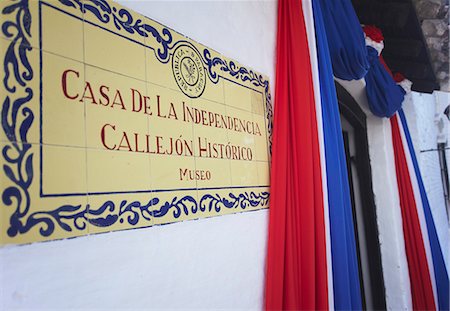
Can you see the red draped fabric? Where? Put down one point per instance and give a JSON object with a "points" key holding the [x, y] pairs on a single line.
{"points": [[419, 274], [296, 275], [386, 66], [421, 287]]}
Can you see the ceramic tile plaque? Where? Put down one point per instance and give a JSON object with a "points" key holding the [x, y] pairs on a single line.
{"points": [[111, 121]]}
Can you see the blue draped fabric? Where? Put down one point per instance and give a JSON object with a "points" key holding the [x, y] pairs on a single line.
{"points": [[347, 295], [345, 38], [440, 270], [384, 95], [340, 38]]}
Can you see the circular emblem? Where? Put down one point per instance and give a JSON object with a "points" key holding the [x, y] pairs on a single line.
{"points": [[188, 71]]}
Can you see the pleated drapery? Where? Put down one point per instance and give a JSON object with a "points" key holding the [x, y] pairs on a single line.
{"points": [[346, 283], [419, 274], [297, 268], [345, 39], [352, 60], [425, 270], [296, 275], [385, 97], [440, 270]]}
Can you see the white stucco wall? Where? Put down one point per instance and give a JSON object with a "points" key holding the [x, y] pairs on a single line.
{"points": [[210, 263], [421, 116]]}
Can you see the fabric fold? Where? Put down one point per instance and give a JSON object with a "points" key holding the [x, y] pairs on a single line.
{"points": [[296, 275], [385, 97], [345, 39], [346, 283]]}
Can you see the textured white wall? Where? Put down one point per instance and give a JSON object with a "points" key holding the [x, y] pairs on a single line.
{"points": [[210, 263], [422, 114]]}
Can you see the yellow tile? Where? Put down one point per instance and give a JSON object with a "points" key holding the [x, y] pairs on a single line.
{"points": [[168, 117], [5, 182], [4, 225], [109, 16], [119, 43], [6, 17], [212, 172], [210, 122], [24, 91], [243, 130], [238, 96], [214, 85], [72, 8], [261, 151], [157, 72], [172, 172], [63, 109], [257, 101], [112, 52], [63, 170], [250, 97], [175, 206], [41, 218], [175, 72], [117, 171], [64, 40], [261, 120], [244, 173], [14, 12], [263, 173], [164, 35], [120, 111], [241, 97], [3, 92], [158, 57], [267, 114], [120, 212]]}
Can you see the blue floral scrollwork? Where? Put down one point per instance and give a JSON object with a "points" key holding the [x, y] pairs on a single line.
{"points": [[243, 74], [16, 116], [123, 20], [69, 217], [211, 203], [17, 119]]}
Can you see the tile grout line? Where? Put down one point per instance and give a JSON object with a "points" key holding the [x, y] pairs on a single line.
{"points": [[195, 163], [227, 131], [253, 119], [85, 65], [146, 79], [123, 151], [146, 68], [88, 200]]}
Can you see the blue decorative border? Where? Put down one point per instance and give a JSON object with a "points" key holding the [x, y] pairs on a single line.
{"points": [[17, 119], [216, 67]]}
